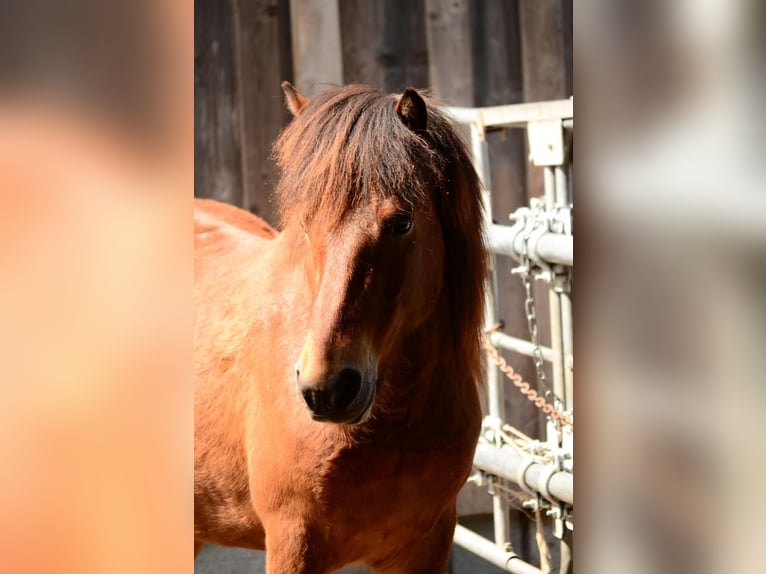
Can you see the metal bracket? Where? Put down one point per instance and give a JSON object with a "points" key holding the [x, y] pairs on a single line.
{"points": [[542, 482], [558, 521], [533, 225], [521, 478], [490, 429], [546, 142]]}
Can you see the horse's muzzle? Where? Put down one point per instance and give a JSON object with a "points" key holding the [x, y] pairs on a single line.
{"points": [[344, 398]]}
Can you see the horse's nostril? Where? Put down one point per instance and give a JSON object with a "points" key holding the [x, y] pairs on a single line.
{"points": [[345, 388], [310, 397], [332, 401]]}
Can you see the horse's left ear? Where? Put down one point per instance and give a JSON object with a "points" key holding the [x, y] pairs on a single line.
{"points": [[412, 110], [295, 101]]}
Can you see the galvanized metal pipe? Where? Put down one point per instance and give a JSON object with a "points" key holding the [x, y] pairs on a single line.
{"points": [[495, 386], [552, 196], [509, 343], [557, 344], [513, 114], [552, 248], [566, 562], [492, 553], [549, 183], [562, 186], [567, 333], [480, 154], [496, 408], [563, 199], [547, 480]]}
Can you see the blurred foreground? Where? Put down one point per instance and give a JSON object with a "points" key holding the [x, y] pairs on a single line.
{"points": [[96, 137], [671, 246], [96, 141]]}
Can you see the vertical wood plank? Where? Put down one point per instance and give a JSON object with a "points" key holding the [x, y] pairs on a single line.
{"points": [[543, 54], [450, 50], [497, 53], [316, 44], [217, 162], [264, 61], [404, 49], [361, 25], [384, 43], [567, 9]]}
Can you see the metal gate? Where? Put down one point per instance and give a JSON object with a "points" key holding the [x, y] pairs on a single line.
{"points": [[541, 241]]}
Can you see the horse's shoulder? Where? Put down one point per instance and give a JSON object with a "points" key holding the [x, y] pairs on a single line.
{"points": [[215, 216]]}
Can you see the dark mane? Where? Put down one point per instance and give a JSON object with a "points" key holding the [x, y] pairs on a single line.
{"points": [[348, 145], [345, 145]]}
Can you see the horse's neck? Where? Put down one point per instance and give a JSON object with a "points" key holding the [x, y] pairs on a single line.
{"points": [[433, 345], [427, 372]]}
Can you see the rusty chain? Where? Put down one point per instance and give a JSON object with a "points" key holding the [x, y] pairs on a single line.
{"points": [[523, 386]]}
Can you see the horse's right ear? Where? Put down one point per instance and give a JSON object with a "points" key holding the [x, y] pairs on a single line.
{"points": [[295, 101]]}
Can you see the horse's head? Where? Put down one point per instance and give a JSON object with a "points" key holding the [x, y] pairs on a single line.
{"points": [[360, 188]]}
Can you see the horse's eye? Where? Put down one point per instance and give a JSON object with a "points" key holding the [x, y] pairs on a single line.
{"points": [[399, 224]]}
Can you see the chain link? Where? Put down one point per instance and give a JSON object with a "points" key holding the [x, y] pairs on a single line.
{"points": [[525, 388], [525, 270], [537, 354], [526, 273]]}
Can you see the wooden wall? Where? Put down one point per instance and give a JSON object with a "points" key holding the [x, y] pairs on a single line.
{"points": [[242, 52], [469, 52]]}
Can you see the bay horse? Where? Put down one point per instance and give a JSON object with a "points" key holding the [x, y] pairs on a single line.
{"points": [[337, 361]]}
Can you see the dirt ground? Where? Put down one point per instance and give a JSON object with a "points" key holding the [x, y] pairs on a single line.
{"points": [[217, 560]]}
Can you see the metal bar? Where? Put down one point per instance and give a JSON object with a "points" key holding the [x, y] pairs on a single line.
{"points": [[495, 385], [479, 150], [563, 199], [566, 564], [557, 344], [548, 480], [562, 189], [518, 114], [567, 335], [549, 183], [513, 114], [553, 248], [554, 306], [509, 343], [461, 115], [496, 399], [492, 553]]}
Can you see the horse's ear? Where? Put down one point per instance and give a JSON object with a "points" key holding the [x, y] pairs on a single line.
{"points": [[412, 110], [295, 101]]}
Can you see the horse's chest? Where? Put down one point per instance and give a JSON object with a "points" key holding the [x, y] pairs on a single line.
{"points": [[384, 493]]}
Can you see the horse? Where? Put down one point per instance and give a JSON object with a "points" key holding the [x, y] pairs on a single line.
{"points": [[337, 361]]}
